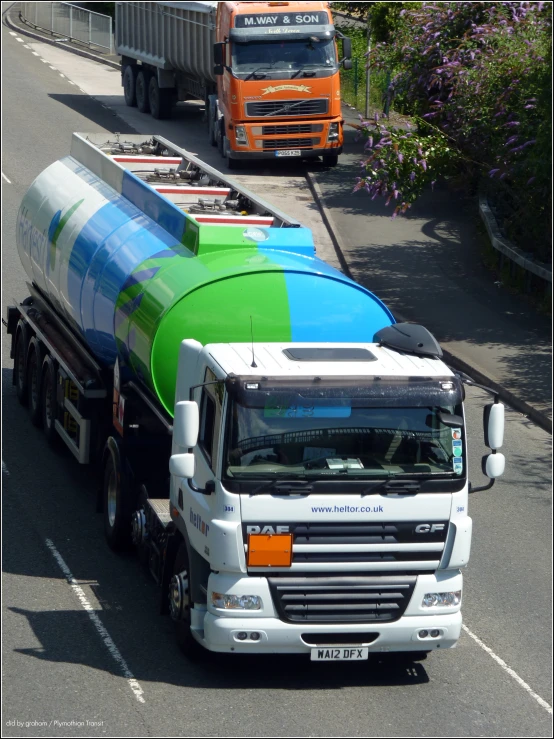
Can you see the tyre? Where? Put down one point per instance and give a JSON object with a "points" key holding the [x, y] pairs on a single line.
{"points": [[19, 367], [220, 135], [231, 163], [49, 401], [330, 160], [34, 369], [141, 88], [116, 505], [129, 85], [212, 128], [159, 100], [180, 605]]}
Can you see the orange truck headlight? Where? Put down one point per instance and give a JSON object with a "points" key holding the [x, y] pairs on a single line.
{"points": [[269, 550]]}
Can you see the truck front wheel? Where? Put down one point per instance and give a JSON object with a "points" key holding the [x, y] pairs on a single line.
{"points": [[129, 85], [142, 92], [180, 604], [330, 160]]}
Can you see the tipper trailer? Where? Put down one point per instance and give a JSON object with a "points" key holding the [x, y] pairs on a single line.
{"points": [[291, 463], [267, 72]]}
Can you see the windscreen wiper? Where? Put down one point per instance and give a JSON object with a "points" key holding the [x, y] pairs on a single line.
{"points": [[393, 486], [306, 74], [256, 72], [283, 488]]}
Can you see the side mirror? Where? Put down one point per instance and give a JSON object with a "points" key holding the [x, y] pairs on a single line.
{"points": [[347, 64], [186, 424], [493, 425], [182, 465], [493, 465], [347, 48]]}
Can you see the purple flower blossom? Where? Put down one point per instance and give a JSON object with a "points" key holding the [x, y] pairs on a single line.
{"points": [[400, 157], [412, 176], [530, 180], [493, 172]]}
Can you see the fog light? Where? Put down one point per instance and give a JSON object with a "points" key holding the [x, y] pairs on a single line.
{"points": [[453, 598], [435, 633], [240, 135], [255, 636], [236, 602], [242, 635], [333, 132], [423, 633]]}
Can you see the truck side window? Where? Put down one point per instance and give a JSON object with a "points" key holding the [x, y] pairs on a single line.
{"points": [[207, 421], [210, 419]]}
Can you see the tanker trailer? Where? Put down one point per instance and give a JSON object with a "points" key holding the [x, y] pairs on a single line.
{"points": [[269, 438], [132, 246]]}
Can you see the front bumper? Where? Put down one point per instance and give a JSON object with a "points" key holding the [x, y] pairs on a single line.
{"points": [[271, 154], [220, 634], [218, 630]]}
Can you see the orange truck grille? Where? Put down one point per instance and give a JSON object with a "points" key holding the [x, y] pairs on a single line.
{"points": [[317, 106]]}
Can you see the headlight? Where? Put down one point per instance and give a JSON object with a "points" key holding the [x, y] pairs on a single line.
{"points": [[430, 600], [333, 132], [240, 602], [240, 135]]}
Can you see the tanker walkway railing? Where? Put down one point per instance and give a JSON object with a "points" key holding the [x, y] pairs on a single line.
{"points": [[70, 22]]}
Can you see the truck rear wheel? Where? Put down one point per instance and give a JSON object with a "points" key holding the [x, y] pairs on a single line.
{"points": [[49, 401], [141, 88], [116, 508], [180, 605], [159, 100], [129, 85], [19, 373], [34, 368]]}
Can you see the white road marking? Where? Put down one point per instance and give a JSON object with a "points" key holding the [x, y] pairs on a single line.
{"points": [[62, 75], [9, 183], [5, 470], [51, 67], [13, 33], [44, 60], [26, 46], [509, 670], [106, 638], [70, 82], [35, 53], [19, 39]]}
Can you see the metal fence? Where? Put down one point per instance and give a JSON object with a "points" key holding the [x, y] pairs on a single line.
{"points": [[70, 22], [353, 87]]}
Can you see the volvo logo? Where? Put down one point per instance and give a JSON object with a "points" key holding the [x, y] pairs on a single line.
{"points": [[429, 528]]}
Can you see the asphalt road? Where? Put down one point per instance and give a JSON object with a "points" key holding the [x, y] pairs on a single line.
{"points": [[69, 671]]}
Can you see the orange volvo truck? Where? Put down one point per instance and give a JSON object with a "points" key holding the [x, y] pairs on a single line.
{"points": [[267, 72]]}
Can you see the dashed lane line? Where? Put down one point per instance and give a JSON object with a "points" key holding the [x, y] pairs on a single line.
{"points": [[509, 670], [99, 626]]}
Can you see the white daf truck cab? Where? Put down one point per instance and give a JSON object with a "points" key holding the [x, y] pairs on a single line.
{"points": [[319, 497]]}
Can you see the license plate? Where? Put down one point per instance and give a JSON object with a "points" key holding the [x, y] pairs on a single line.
{"points": [[339, 653], [289, 153]]}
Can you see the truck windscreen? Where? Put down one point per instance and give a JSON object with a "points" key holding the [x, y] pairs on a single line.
{"points": [[289, 55], [322, 438]]}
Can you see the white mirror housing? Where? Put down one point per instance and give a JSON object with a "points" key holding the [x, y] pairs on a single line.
{"points": [[182, 465], [493, 419], [186, 424], [493, 465]]}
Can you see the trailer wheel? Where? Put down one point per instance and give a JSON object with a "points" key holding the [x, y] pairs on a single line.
{"points": [[141, 88], [19, 373], [220, 134], [116, 509], [129, 85], [49, 401], [180, 605], [330, 160], [34, 365], [159, 99], [212, 127]]}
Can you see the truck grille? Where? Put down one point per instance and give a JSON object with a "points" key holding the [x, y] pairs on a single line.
{"points": [[318, 106], [341, 599], [363, 547], [304, 143], [287, 130]]}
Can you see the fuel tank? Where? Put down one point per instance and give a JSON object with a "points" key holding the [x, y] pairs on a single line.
{"points": [[134, 275]]}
